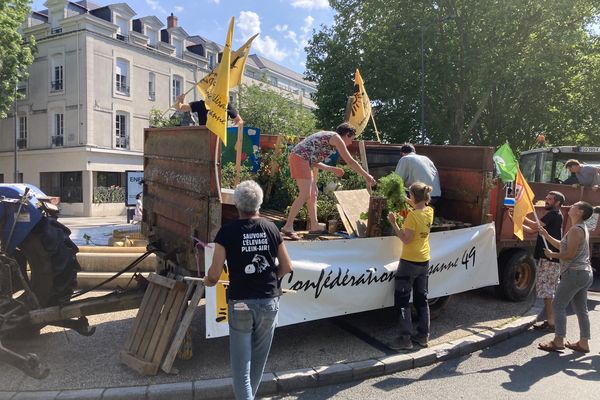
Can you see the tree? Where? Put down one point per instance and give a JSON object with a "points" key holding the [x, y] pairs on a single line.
{"points": [[273, 112], [494, 71], [16, 54]]}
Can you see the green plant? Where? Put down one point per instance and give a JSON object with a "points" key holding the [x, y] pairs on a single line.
{"points": [[158, 119], [112, 194], [228, 175]]}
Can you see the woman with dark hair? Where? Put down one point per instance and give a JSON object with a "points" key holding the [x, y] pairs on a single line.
{"points": [[575, 279], [256, 260], [413, 270], [305, 159]]}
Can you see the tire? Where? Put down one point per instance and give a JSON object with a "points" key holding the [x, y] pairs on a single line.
{"points": [[51, 256], [437, 306], [517, 275]]}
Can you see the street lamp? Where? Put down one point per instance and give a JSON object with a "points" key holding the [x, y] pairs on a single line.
{"points": [[16, 171], [423, 29]]}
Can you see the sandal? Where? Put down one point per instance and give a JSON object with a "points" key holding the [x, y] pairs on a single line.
{"points": [[544, 326], [550, 347], [576, 347], [291, 235]]}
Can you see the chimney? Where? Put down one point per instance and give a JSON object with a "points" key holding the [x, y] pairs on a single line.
{"points": [[171, 21]]}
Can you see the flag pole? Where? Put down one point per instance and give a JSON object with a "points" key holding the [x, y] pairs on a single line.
{"points": [[185, 94], [537, 219], [375, 126]]}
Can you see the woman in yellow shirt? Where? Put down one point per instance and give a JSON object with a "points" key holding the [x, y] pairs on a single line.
{"points": [[413, 270]]}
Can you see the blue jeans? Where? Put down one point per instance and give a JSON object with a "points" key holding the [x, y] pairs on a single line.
{"points": [[572, 289], [251, 326], [414, 278]]}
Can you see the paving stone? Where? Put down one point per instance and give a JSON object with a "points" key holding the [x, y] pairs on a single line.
{"points": [[7, 395], [126, 393], [469, 345], [424, 357], [288, 381], [168, 391], [332, 374], [268, 385], [366, 368], [213, 389], [87, 394], [446, 351], [397, 362], [49, 395]]}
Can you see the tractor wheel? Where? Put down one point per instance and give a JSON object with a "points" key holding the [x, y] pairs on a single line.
{"points": [[517, 275], [53, 265]]}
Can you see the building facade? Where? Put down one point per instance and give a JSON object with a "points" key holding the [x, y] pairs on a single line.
{"points": [[97, 74]]}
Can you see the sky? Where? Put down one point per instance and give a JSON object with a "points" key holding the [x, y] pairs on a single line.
{"points": [[285, 26]]}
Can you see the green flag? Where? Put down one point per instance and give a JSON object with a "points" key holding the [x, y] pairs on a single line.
{"points": [[505, 163]]}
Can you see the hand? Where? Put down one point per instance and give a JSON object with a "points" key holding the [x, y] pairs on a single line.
{"points": [[549, 253], [370, 180], [238, 120], [337, 171], [180, 98], [510, 212], [207, 281], [392, 218], [542, 231]]}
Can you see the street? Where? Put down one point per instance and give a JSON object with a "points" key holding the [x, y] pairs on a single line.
{"points": [[514, 369]]}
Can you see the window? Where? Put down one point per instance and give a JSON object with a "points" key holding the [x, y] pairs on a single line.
{"points": [[59, 130], [22, 89], [211, 60], [121, 75], [57, 79], [66, 185], [108, 179], [123, 29], [177, 86], [121, 137], [151, 86], [178, 48], [22, 138], [152, 37]]}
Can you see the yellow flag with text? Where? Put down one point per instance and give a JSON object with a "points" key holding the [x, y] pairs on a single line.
{"points": [[236, 69], [218, 96], [358, 110], [523, 203]]}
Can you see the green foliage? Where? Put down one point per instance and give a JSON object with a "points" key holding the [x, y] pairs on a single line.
{"points": [[274, 113], [392, 188], [112, 194], [159, 120], [228, 175], [16, 53], [495, 71]]}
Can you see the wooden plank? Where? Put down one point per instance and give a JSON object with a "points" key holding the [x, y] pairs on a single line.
{"points": [[152, 303], [172, 317], [363, 159], [158, 330], [141, 366], [167, 364], [143, 309], [238, 153], [152, 321], [354, 202], [162, 281], [345, 220]]}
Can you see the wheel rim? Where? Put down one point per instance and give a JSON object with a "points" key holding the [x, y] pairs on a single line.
{"points": [[522, 276]]}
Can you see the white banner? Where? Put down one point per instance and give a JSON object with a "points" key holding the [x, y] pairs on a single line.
{"points": [[337, 277]]}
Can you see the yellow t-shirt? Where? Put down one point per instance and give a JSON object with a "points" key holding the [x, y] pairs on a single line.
{"points": [[418, 221]]}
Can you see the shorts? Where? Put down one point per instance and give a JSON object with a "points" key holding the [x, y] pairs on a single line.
{"points": [[299, 167], [547, 278]]}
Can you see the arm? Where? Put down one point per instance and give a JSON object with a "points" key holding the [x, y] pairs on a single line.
{"points": [[351, 162], [406, 235], [552, 241], [216, 267], [336, 170], [529, 226], [576, 236], [285, 263], [180, 105]]}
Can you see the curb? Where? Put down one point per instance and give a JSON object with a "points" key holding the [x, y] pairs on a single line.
{"points": [[274, 383]]}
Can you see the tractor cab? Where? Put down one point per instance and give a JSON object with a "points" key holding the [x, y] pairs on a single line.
{"points": [[547, 164]]}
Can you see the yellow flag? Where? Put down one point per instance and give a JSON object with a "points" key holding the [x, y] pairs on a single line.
{"points": [[236, 69], [358, 110], [523, 203], [218, 96]]}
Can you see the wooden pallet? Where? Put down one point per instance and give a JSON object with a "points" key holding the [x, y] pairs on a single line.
{"points": [[159, 316]]}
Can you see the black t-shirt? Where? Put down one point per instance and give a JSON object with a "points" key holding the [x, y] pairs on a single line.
{"points": [[251, 249], [553, 221], [199, 108]]}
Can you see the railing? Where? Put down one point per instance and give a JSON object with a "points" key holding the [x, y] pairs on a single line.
{"points": [[152, 46], [122, 88], [22, 143], [22, 90], [152, 96], [57, 141], [54, 31], [55, 86], [122, 142], [123, 38]]}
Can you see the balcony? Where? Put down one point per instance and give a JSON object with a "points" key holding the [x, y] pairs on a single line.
{"points": [[152, 96], [22, 143], [56, 86], [57, 141], [122, 142], [22, 90], [122, 88], [123, 38], [55, 31]]}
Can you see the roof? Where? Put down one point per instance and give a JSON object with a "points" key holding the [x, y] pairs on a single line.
{"points": [[197, 39]]}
